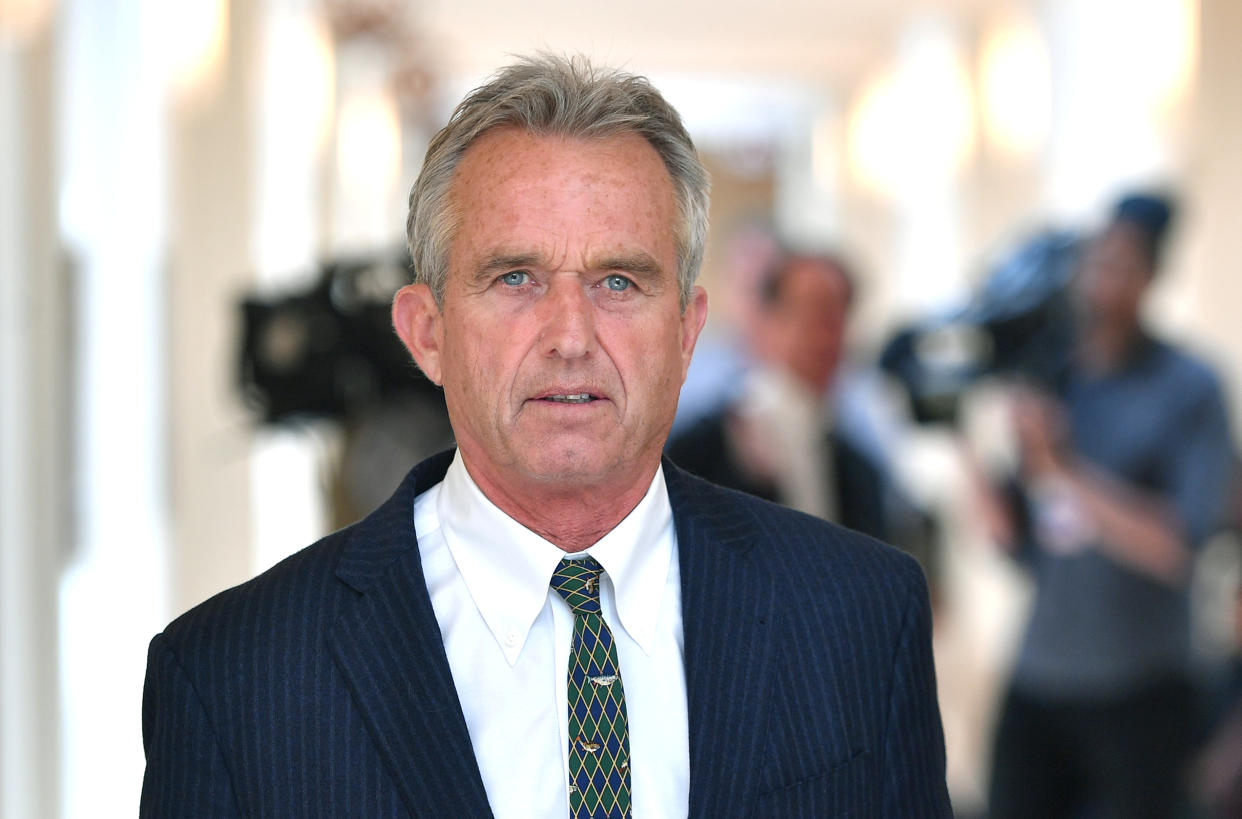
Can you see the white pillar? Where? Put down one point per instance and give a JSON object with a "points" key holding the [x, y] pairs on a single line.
{"points": [[910, 140], [112, 205], [294, 111], [1214, 232], [36, 502], [1119, 71], [211, 264]]}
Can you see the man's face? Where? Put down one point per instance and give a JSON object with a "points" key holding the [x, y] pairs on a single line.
{"points": [[561, 344], [806, 324], [1115, 276]]}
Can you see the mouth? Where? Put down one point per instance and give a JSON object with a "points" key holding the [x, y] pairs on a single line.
{"points": [[576, 398], [573, 396], [570, 398]]}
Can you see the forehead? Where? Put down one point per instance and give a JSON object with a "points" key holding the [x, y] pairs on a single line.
{"points": [[1119, 241], [813, 279], [516, 188], [1116, 258]]}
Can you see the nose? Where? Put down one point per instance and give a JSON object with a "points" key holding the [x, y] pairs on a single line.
{"points": [[568, 319]]}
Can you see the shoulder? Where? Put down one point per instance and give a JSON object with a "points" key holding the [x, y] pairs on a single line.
{"points": [[294, 595], [1185, 373], [801, 551], [271, 633], [297, 600]]}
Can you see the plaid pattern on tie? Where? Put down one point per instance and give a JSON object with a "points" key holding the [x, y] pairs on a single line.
{"points": [[599, 734]]}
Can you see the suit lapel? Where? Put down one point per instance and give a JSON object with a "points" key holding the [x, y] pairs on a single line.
{"points": [[388, 647], [728, 606]]}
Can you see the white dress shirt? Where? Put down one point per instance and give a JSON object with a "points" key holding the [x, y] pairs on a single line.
{"points": [[508, 637], [792, 422]]}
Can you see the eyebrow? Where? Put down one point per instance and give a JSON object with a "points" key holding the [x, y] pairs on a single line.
{"points": [[503, 264], [640, 264]]}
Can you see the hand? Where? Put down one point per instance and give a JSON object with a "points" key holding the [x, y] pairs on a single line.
{"points": [[1040, 426], [753, 446]]}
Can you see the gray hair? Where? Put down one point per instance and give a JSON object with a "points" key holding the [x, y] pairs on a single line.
{"points": [[556, 96]]}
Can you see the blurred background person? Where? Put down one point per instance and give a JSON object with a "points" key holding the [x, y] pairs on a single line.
{"points": [[782, 438], [1124, 469], [724, 352]]}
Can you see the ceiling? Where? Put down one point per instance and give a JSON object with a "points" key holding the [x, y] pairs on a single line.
{"points": [[828, 43]]}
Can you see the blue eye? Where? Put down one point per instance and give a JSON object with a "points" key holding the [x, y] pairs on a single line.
{"points": [[515, 278], [617, 283]]}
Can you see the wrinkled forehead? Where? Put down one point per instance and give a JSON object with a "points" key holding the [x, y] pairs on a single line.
{"points": [[627, 154], [514, 190]]}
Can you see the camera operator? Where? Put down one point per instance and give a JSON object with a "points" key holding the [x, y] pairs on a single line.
{"points": [[1122, 474]]}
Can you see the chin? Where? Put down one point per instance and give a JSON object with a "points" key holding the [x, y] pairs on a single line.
{"points": [[570, 465], [572, 472]]}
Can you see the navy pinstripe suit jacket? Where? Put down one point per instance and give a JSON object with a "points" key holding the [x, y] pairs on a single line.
{"points": [[321, 687]]}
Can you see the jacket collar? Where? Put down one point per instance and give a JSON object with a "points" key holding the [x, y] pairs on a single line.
{"points": [[389, 648]]}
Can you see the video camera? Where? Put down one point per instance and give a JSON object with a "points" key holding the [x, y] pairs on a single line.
{"points": [[1019, 322], [329, 350]]}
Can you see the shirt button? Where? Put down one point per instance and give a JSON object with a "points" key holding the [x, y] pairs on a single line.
{"points": [[511, 639]]}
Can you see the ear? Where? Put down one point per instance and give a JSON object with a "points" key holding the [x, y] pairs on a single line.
{"points": [[417, 319], [692, 320]]}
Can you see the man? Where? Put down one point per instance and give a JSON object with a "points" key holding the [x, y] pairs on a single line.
{"points": [[460, 652], [772, 440], [779, 439], [1123, 474]]}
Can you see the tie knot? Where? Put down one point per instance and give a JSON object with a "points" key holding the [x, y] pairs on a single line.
{"points": [[577, 581]]}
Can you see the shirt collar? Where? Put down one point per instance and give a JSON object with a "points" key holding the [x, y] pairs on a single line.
{"points": [[636, 556], [507, 567]]}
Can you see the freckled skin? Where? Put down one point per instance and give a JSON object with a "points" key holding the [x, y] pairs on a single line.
{"points": [[562, 280]]}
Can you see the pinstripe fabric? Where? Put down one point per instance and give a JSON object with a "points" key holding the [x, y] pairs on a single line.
{"points": [[808, 665], [321, 688]]}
